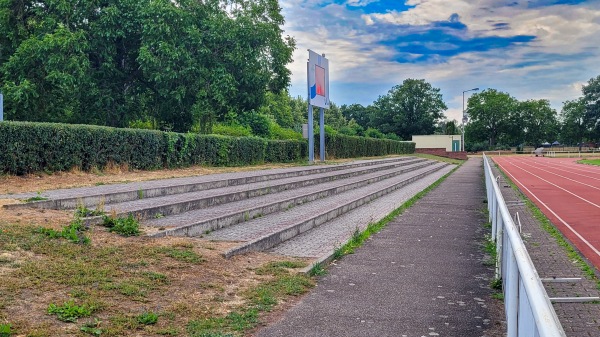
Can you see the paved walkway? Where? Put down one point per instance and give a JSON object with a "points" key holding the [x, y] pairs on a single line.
{"points": [[423, 275]]}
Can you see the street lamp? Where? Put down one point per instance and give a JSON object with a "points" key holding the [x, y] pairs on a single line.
{"points": [[464, 119]]}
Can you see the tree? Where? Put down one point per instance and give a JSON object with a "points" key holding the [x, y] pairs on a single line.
{"points": [[574, 127], [448, 127], [412, 108], [491, 113], [591, 99], [111, 62], [538, 121], [358, 112]]}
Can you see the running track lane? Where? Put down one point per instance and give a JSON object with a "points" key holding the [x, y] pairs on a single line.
{"points": [[566, 192]]}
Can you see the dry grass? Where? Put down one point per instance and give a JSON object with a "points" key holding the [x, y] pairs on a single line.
{"points": [[185, 281]]}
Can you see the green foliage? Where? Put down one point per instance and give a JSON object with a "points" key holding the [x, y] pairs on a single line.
{"points": [[69, 312], [493, 115], [342, 146], [118, 62], [279, 151], [147, 318], [84, 212], [128, 226], [92, 328], [412, 108], [277, 132], [37, 197], [374, 133], [72, 232], [575, 128], [317, 270], [231, 130], [182, 254], [5, 330]]}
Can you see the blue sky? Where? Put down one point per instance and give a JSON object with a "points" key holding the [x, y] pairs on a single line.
{"points": [[537, 49]]}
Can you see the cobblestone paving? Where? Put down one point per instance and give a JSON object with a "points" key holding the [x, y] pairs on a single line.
{"points": [[263, 201], [551, 260], [326, 238], [135, 186]]}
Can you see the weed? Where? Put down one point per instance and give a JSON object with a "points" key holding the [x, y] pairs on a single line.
{"points": [[92, 327], [72, 232], [69, 312], [159, 216], [157, 277], [496, 283], [37, 197], [5, 330], [147, 318], [140, 194], [85, 212], [128, 226], [498, 296], [170, 331], [317, 270]]}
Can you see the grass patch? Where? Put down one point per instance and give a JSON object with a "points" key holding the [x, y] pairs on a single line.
{"points": [[147, 318], [589, 162], [5, 330], [84, 212], [69, 311], [317, 270], [73, 232], [128, 226], [181, 254], [442, 159]]}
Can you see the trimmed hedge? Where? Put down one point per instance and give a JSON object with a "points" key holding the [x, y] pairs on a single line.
{"points": [[343, 146], [27, 147]]}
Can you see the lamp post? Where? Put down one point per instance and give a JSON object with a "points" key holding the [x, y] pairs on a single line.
{"points": [[464, 119]]}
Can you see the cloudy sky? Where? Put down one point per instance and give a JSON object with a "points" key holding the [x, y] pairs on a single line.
{"points": [[539, 49]]}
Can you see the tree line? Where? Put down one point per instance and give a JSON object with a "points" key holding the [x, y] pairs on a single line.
{"points": [[499, 121]]}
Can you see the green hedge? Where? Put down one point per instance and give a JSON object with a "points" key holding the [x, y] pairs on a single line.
{"points": [[33, 147], [343, 146]]}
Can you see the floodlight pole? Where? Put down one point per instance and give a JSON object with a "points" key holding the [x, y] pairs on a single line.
{"points": [[464, 119]]}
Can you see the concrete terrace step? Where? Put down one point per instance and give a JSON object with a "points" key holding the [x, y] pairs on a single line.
{"points": [[181, 203], [274, 230], [253, 213], [321, 242], [117, 193]]}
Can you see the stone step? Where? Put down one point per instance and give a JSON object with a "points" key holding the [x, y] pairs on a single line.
{"points": [[273, 231], [118, 193], [181, 203], [202, 221], [321, 242]]}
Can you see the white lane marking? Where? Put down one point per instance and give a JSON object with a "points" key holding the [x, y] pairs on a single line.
{"points": [[553, 213]]}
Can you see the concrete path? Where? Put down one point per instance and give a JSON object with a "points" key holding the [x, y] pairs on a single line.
{"points": [[423, 275]]}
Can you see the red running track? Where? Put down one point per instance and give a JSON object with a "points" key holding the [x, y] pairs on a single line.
{"points": [[566, 192]]}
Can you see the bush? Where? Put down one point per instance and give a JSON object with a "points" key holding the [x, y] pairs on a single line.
{"points": [[476, 147], [342, 146], [277, 132], [231, 130], [279, 151]]}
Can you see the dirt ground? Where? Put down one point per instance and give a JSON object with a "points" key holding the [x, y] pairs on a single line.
{"points": [[185, 281]]}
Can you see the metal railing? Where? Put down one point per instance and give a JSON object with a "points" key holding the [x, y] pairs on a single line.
{"points": [[528, 308]]}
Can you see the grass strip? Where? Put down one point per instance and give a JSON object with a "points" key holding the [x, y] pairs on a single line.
{"points": [[358, 238]]}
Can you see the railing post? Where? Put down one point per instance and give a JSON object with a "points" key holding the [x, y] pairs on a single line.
{"points": [[511, 293]]}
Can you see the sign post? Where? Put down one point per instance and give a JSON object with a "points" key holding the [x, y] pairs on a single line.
{"points": [[318, 95]]}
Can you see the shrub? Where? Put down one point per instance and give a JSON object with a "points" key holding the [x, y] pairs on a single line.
{"points": [[342, 146], [231, 130], [277, 132]]}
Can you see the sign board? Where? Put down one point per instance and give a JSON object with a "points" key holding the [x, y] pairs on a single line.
{"points": [[318, 80]]}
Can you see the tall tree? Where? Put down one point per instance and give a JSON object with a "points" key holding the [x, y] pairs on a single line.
{"points": [[591, 99], [574, 127], [538, 121], [412, 108], [110, 62], [490, 113]]}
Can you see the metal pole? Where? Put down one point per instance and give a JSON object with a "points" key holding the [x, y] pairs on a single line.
{"points": [[1, 107], [462, 140], [311, 134], [322, 133]]}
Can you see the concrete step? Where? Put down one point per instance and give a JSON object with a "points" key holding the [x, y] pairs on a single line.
{"points": [[201, 222], [264, 234], [118, 193], [321, 242], [176, 204]]}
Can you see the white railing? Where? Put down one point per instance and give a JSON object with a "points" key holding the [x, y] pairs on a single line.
{"points": [[528, 308]]}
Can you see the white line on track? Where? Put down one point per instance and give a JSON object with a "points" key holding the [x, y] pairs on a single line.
{"points": [[560, 168], [564, 189], [558, 175], [574, 166], [551, 211]]}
